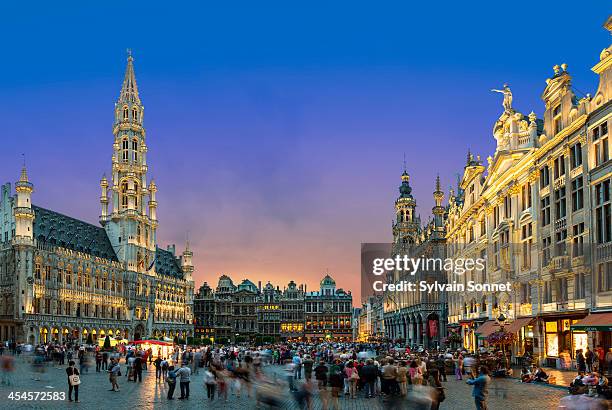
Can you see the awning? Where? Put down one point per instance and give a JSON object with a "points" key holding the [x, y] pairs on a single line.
{"points": [[487, 328], [518, 324], [595, 321]]}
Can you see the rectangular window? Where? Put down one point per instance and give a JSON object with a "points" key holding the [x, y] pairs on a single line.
{"points": [[546, 244], [576, 155], [560, 204], [544, 177], [601, 151], [545, 210], [525, 293], [527, 243], [578, 240], [559, 166], [603, 216], [579, 286], [560, 245], [577, 194], [604, 277], [495, 216], [508, 206], [526, 196], [561, 290], [557, 119], [547, 292]]}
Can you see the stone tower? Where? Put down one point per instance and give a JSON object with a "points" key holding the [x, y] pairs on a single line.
{"points": [[23, 242], [131, 229], [406, 225]]}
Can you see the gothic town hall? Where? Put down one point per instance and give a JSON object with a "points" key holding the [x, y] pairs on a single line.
{"points": [[67, 280]]}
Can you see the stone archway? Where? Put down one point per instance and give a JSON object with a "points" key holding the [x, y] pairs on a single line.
{"points": [[139, 332], [433, 329], [44, 335]]}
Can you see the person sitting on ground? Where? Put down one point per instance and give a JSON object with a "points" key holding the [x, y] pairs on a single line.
{"points": [[591, 379], [526, 375], [540, 376]]}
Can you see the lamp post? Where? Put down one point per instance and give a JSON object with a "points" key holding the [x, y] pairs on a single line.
{"points": [[501, 319]]}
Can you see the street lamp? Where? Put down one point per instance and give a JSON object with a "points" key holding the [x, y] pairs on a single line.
{"points": [[501, 319]]}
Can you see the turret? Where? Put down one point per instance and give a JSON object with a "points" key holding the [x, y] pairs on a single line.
{"points": [[104, 200], [406, 223], [438, 209], [24, 215], [152, 201], [187, 263]]}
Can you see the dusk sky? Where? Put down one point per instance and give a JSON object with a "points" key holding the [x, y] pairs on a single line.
{"points": [[276, 131]]}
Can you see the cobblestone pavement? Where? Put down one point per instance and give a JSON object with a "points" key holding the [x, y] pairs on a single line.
{"points": [[94, 394]]}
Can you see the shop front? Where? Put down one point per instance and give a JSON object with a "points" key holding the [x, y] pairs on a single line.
{"points": [[524, 330], [561, 342], [598, 326], [484, 330]]}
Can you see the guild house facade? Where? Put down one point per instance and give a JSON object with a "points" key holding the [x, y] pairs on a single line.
{"points": [[62, 279], [248, 312], [539, 210]]}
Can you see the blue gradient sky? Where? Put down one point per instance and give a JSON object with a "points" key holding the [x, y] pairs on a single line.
{"points": [[276, 132]]}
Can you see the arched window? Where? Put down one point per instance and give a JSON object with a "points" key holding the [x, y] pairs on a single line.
{"points": [[124, 150], [137, 195], [135, 150], [139, 233], [135, 114], [124, 197], [125, 112]]}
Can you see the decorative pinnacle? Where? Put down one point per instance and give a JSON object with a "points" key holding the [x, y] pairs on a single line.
{"points": [[24, 174], [438, 183]]}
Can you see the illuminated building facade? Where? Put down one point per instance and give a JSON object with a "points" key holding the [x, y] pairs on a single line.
{"points": [[328, 312], [416, 318], [539, 212], [204, 313], [269, 312], [292, 311], [63, 279]]}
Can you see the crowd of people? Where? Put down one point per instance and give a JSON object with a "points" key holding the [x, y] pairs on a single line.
{"points": [[332, 371]]}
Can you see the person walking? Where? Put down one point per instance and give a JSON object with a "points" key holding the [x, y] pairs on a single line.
{"points": [[73, 382], [184, 376], [113, 375], [138, 363], [307, 363], [459, 368], [210, 382], [297, 367], [352, 375], [171, 379], [158, 369], [98, 361], [588, 356], [580, 361], [370, 374], [480, 391], [402, 378]]}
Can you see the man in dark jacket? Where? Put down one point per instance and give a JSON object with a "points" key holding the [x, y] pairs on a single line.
{"points": [[307, 363], [138, 368], [321, 374], [369, 372], [441, 367]]}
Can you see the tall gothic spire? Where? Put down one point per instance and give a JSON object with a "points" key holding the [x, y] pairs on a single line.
{"points": [[129, 89]]}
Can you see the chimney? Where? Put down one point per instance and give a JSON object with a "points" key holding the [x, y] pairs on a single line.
{"points": [[259, 285]]}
